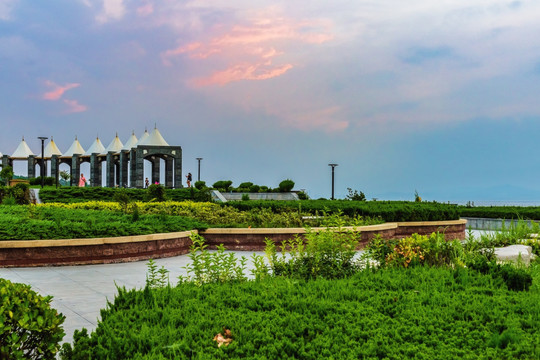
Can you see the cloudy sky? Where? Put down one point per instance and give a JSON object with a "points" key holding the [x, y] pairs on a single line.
{"points": [[441, 97]]}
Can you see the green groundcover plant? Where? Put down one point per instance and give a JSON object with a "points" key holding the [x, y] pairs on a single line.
{"points": [[449, 301], [418, 312], [36, 222], [29, 327]]}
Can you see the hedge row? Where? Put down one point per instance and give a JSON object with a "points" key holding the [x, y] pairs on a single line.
{"points": [[420, 313], [386, 210], [501, 212], [35, 223], [82, 194]]}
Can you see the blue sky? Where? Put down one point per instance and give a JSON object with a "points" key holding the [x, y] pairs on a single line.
{"points": [[438, 97]]}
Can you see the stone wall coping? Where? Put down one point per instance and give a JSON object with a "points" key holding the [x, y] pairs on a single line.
{"points": [[215, 231], [433, 223], [93, 241], [378, 227]]}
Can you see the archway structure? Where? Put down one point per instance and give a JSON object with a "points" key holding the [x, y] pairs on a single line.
{"points": [[124, 163]]}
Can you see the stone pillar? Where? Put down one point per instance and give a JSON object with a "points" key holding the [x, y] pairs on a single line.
{"points": [[5, 160], [110, 169], [178, 171], [75, 170], [155, 169], [54, 168], [123, 169], [169, 172], [133, 168], [138, 174], [31, 166], [95, 170]]}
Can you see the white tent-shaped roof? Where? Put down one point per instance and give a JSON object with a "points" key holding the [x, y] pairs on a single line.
{"points": [[75, 148], [51, 149], [131, 142], [142, 138], [96, 147], [115, 146], [22, 151], [154, 139]]}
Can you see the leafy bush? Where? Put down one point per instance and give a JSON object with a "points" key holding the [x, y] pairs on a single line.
{"points": [[6, 174], [327, 253], [354, 195], [223, 185], [199, 185], [155, 192], [18, 194], [419, 312], [47, 180], [286, 185], [29, 327]]}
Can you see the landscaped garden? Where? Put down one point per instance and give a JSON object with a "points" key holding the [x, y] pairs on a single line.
{"points": [[422, 297]]}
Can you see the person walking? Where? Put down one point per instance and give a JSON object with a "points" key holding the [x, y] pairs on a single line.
{"points": [[188, 179], [146, 183], [82, 181]]}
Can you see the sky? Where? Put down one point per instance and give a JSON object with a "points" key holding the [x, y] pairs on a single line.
{"points": [[439, 97]]}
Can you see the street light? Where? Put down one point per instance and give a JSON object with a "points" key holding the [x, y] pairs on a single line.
{"points": [[199, 173], [333, 166], [42, 167]]}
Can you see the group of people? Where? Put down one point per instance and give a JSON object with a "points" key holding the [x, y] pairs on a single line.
{"points": [[82, 181]]}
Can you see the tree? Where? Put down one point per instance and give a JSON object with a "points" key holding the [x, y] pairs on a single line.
{"points": [[65, 175], [6, 174], [354, 195]]}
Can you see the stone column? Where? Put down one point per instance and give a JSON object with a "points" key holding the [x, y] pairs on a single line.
{"points": [[31, 166], [54, 168], [155, 169], [95, 170], [75, 170], [133, 168], [5, 160], [110, 169], [123, 169], [169, 172], [138, 174], [178, 170]]}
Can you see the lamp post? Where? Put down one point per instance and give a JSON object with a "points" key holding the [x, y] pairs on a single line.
{"points": [[42, 167], [199, 172], [333, 166]]}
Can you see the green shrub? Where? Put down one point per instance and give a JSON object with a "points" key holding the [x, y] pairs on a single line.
{"points": [[6, 174], [199, 185], [29, 327], [47, 181], [286, 185], [222, 185], [156, 192], [254, 188], [414, 313]]}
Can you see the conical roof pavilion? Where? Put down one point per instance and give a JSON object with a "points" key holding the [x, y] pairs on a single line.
{"points": [[22, 151], [154, 139], [115, 146], [142, 138], [96, 147], [131, 142], [51, 149], [75, 148]]}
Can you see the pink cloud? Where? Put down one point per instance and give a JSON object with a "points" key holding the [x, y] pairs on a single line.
{"points": [[74, 106], [325, 119], [247, 51], [245, 71], [145, 10], [57, 90]]}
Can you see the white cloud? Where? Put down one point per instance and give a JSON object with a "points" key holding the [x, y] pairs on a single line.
{"points": [[6, 6], [112, 10]]}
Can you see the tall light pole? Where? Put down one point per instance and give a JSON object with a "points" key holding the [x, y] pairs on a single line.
{"points": [[333, 166], [42, 167], [199, 173]]}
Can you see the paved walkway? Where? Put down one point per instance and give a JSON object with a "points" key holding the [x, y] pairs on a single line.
{"points": [[79, 292]]}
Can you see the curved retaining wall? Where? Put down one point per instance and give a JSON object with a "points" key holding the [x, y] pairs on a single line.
{"points": [[21, 253]]}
